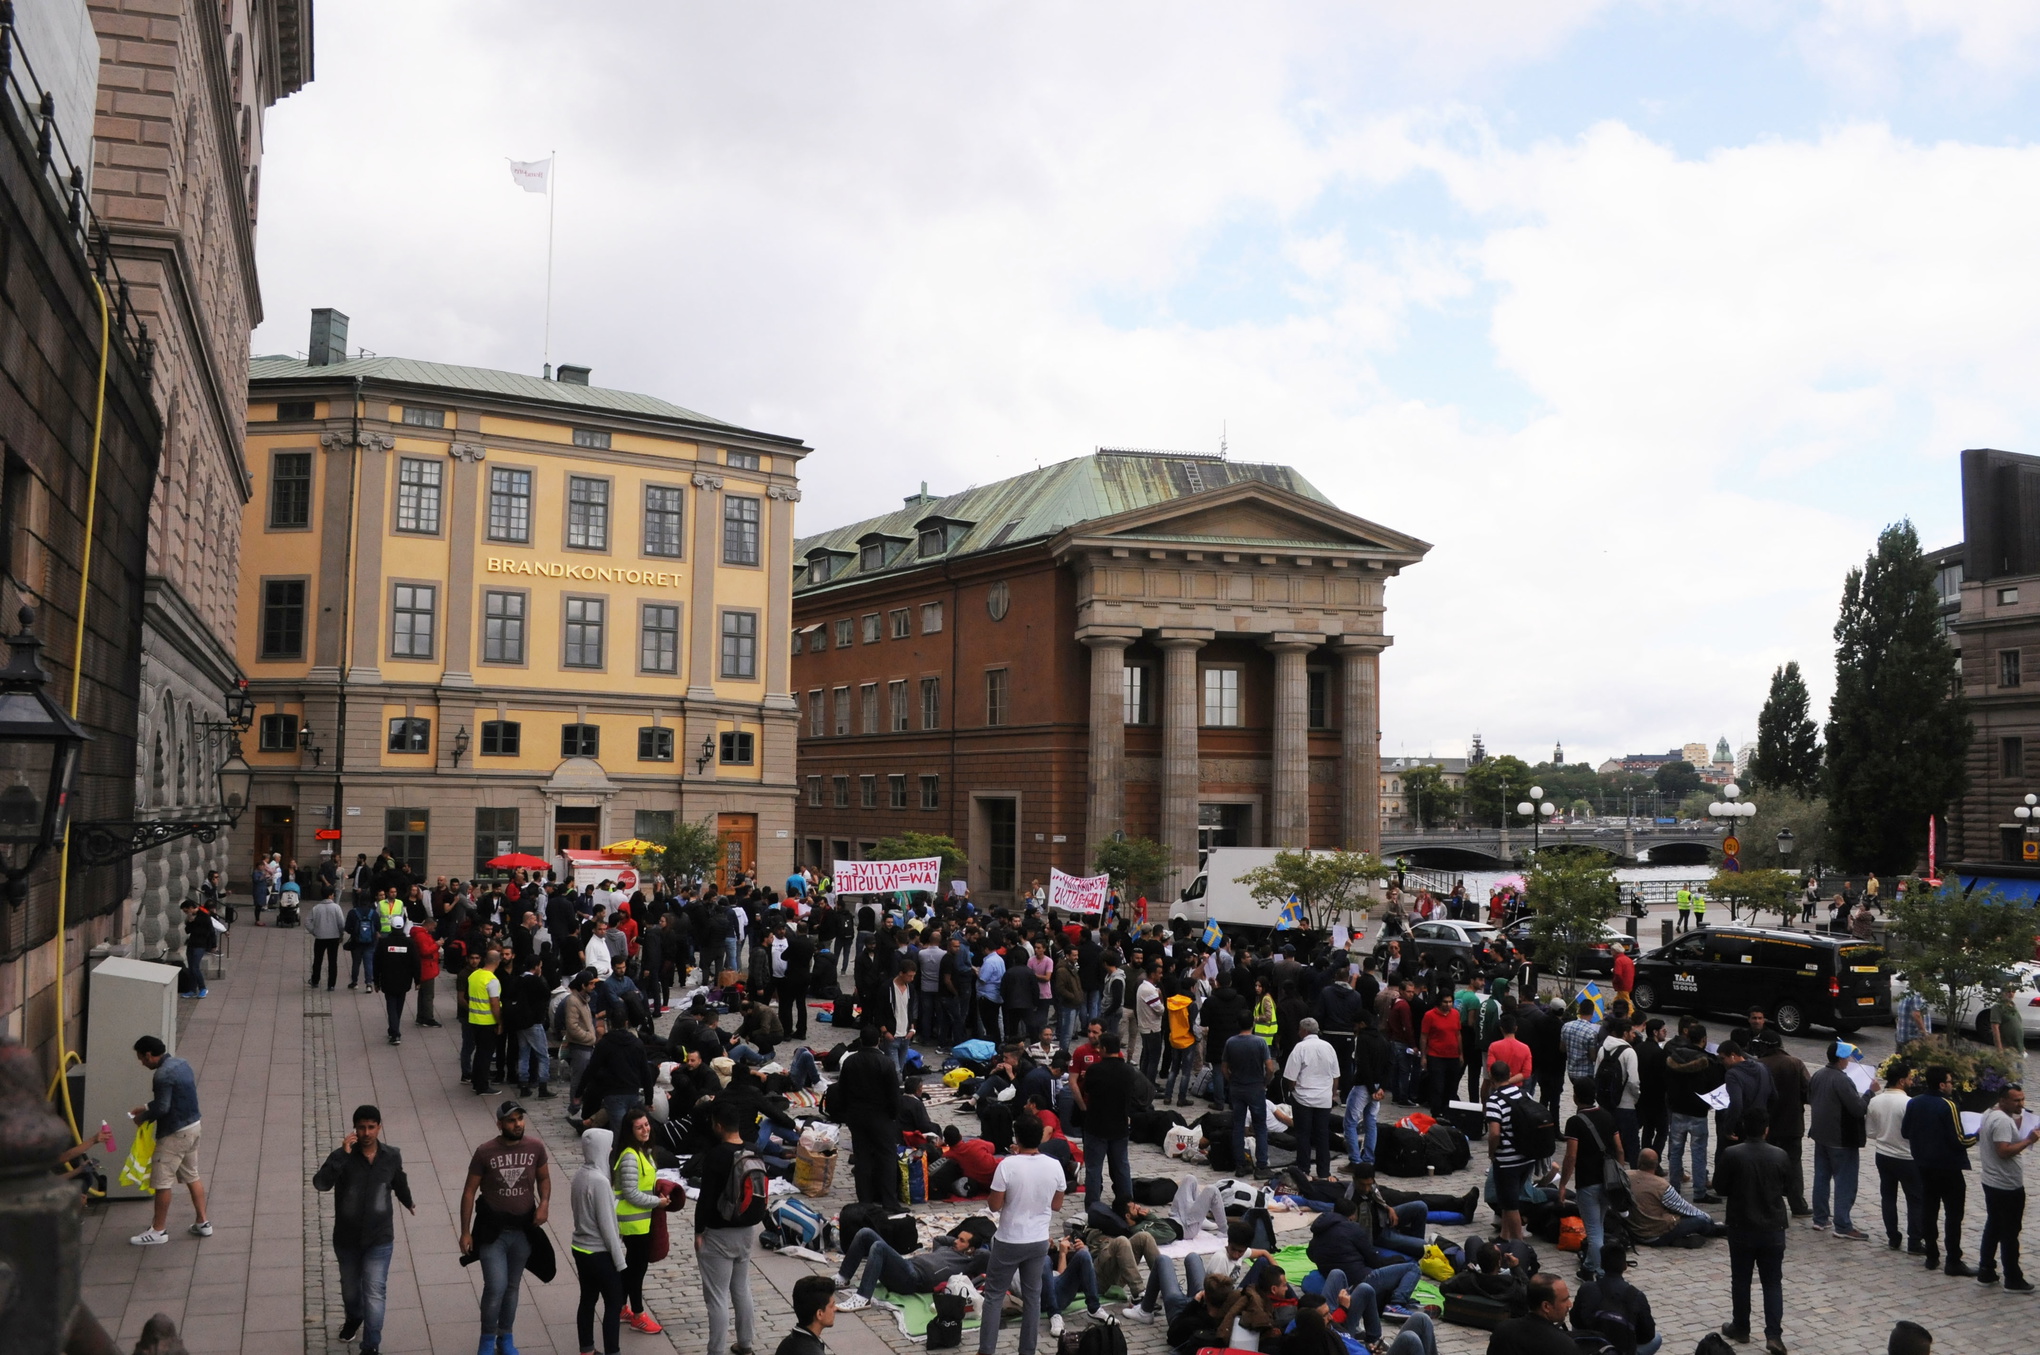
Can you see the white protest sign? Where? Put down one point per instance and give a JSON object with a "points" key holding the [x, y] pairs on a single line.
{"points": [[1718, 1098], [1078, 893], [883, 877], [1861, 1075], [1971, 1122]]}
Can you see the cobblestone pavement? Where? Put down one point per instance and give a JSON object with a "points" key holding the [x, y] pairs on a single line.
{"points": [[279, 1067]]}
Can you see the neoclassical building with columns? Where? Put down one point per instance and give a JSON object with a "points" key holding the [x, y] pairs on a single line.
{"points": [[1163, 644]]}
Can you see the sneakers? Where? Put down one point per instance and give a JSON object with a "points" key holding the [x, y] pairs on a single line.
{"points": [[1986, 1277], [1956, 1270], [1817, 1226], [2017, 1287], [646, 1323], [1134, 1312], [1851, 1235], [1055, 1324], [349, 1328], [844, 1282], [149, 1237], [1101, 1317], [850, 1303], [203, 1228]]}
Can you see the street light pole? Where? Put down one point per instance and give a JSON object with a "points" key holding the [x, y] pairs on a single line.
{"points": [[1536, 809]]}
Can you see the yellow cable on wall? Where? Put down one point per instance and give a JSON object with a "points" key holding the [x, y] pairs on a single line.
{"points": [[65, 1056]]}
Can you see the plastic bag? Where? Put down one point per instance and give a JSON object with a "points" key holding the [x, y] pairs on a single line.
{"points": [[1434, 1264], [135, 1171]]}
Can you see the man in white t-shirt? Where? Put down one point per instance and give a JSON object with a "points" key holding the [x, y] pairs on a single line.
{"points": [[1027, 1190]]}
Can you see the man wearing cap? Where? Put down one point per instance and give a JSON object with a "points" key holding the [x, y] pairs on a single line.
{"points": [[505, 1199], [1839, 1111]]}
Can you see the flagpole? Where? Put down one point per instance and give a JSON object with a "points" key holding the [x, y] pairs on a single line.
{"points": [[551, 197]]}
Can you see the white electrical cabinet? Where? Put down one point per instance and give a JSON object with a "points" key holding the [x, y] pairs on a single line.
{"points": [[126, 1000]]}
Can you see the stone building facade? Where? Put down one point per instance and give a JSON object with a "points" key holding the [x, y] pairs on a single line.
{"points": [[176, 176], [50, 347], [1160, 644], [485, 611]]}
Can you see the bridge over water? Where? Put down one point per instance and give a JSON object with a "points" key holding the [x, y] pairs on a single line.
{"points": [[1487, 848]]}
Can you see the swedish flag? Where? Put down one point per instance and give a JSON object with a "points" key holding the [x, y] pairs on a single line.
{"points": [[1292, 915], [1212, 935], [1592, 993]]}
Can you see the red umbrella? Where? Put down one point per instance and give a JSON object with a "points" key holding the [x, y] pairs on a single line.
{"points": [[517, 859]]}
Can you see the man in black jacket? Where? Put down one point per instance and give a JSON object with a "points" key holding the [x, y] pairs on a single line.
{"points": [[814, 1312], [364, 1173], [793, 984], [396, 969], [1754, 1176], [866, 1098], [1221, 1019], [1106, 1096], [1614, 1307], [525, 999]]}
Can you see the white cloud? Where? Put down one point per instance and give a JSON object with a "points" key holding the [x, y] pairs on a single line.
{"points": [[945, 243]]}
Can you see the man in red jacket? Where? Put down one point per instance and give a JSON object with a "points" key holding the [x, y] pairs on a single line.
{"points": [[1625, 970]]}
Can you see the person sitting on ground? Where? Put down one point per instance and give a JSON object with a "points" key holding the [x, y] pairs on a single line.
{"points": [[1611, 1306], [1345, 1254], [1269, 1308], [1493, 1275], [1120, 1247], [1541, 1331], [962, 1252], [1068, 1274], [1662, 1217], [1206, 1318], [978, 1158], [914, 1108], [1394, 1227], [760, 1031]]}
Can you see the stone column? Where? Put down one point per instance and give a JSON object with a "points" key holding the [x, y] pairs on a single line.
{"points": [[1360, 743], [1180, 776], [1107, 772], [1289, 817]]}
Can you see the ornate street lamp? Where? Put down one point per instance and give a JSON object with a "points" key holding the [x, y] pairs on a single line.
{"points": [[39, 751], [1785, 845], [1729, 808], [460, 745], [1537, 809], [707, 752]]}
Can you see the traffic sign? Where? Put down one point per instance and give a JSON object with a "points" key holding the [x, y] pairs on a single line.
{"points": [[327, 835], [2030, 849], [1730, 847]]}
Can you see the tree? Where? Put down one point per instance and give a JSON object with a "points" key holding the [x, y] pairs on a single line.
{"points": [[1806, 818], [1495, 785], [1426, 792], [1324, 884], [1136, 865], [1571, 899], [1676, 780], [1788, 750], [1897, 729], [1954, 948], [915, 846], [1756, 892], [688, 851]]}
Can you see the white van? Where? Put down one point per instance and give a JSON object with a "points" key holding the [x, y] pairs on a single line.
{"points": [[1217, 893]]}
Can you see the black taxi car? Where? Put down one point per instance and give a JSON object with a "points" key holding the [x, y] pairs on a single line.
{"points": [[1800, 979]]}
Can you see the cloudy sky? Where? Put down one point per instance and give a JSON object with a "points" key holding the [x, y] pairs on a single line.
{"points": [[1648, 315]]}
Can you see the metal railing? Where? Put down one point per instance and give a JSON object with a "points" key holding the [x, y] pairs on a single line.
{"points": [[35, 108]]}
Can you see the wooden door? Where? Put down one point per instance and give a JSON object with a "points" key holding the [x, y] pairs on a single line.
{"points": [[738, 836]]}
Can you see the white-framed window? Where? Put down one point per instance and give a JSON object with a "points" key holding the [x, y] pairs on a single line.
{"points": [[1222, 697]]}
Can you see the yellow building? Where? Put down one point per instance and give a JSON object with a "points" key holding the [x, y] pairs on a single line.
{"points": [[483, 611]]}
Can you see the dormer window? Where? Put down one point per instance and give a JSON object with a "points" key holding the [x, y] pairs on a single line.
{"points": [[938, 535], [818, 569], [934, 541], [824, 564], [875, 552]]}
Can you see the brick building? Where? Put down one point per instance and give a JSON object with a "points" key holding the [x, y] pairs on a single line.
{"points": [[50, 352], [1169, 645], [176, 177]]}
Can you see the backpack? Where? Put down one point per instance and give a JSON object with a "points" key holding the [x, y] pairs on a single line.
{"points": [[1488, 1022], [1610, 1080], [1531, 1127], [1614, 1175], [1102, 1339], [746, 1192], [360, 931], [945, 1330]]}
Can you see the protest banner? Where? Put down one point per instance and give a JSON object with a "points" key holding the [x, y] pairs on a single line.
{"points": [[1078, 893], [885, 877]]}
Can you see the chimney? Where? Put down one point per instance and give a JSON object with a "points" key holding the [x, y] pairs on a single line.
{"points": [[575, 376], [329, 337]]}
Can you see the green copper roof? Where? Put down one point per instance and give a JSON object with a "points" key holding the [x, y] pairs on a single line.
{"points": [[480, 380], [1041, 503]]}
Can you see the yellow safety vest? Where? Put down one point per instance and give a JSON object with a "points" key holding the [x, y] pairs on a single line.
{"points": [[1700, 905], [1685, 902], [391, 912], [478, 998], [1264, 1018], [630, 1219]]}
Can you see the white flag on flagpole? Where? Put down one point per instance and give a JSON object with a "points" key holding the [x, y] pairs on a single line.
{"points": [[532, 176]]}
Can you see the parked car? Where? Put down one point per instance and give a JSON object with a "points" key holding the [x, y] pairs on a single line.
{"points": [[1598, 961], [1800, 979], [1458, 947], [2025, 977]]}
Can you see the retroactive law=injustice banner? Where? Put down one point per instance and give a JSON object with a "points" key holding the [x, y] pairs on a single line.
{"points": [[884, 877], [1078, 893]]}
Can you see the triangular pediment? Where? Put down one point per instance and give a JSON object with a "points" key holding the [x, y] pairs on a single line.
{"points": [[1246, 514]]}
